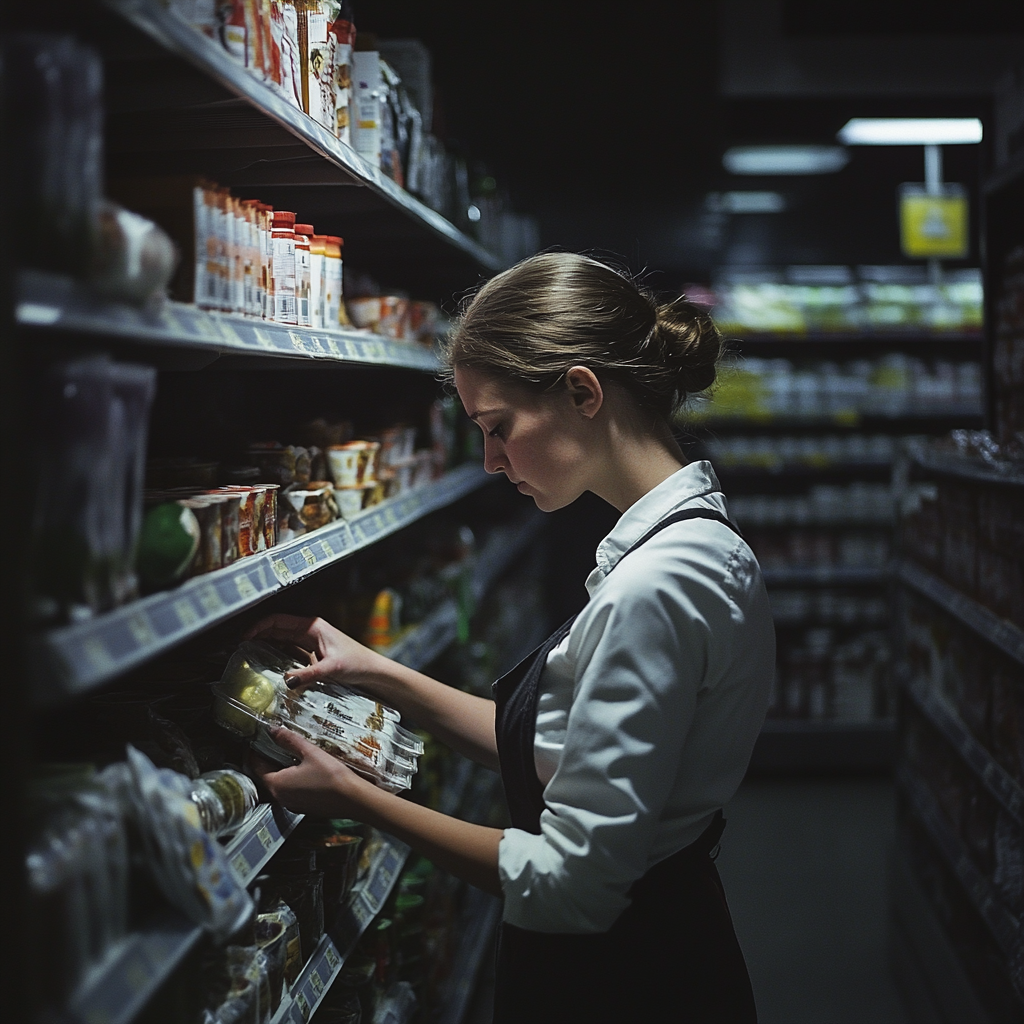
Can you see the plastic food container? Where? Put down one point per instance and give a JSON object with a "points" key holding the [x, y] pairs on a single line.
{"points": [[315, 507], [253, 696], [224, 798], [351, 500]]}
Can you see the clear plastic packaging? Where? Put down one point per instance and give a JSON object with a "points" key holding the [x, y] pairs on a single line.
{"points": [[252, 695]]}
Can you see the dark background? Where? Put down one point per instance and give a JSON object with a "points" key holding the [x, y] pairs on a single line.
{"points": [[606, 122]]}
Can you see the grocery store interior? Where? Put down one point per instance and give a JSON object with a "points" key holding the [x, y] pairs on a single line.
{"points": [[235, 236]]}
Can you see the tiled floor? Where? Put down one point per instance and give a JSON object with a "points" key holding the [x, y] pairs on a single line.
{"points": [[804, 865]]}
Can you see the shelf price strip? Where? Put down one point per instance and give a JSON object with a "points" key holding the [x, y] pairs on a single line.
{"points": [[999, 632], [945, 718]]}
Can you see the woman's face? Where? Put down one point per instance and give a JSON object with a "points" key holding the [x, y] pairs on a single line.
{"points": [[540, 442]]}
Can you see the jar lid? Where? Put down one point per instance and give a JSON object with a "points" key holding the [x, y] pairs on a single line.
{"points": [[304, 229], [283, 218]]}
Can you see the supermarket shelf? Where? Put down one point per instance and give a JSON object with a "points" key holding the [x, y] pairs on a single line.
{"points": [[926, 966], [368, 898], [397, 1006], [481, 917], [941, 713], [324, 966], [997, 631], [49, 302], [76, 658], [792, 745], [825, 576], [951, 464], [904, 423], [820, 522], [174, 34], [426, 641], [735, 473], [854, 345], [1004, 926], [118, 988]]}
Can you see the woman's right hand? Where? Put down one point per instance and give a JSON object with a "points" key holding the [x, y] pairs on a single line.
{"points": [[334, 656]]}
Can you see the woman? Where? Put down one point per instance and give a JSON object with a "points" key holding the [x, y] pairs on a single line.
{"points": [[620, 738]]}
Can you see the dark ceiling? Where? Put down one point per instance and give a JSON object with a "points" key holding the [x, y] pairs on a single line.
{"points": [[605, 121]]}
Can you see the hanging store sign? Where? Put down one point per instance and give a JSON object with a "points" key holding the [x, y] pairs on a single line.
{"points": [[933, 222]]}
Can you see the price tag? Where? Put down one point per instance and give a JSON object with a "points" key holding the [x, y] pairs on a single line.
{"points": [[241, 865], [316, 345], [264, 836], [390, 516], [141, 629], [263, 339], [328, 550], [332, 958], [303, 1004], [186, 612], [246, 591], [307, 554], [332, 347], [171, 322], [316, 981], [228, 332], [97, 654], [378, 522], [358, 533], [210, 600], [283, 573], [298, 341]]}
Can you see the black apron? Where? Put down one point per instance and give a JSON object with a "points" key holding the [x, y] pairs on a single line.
{"points": [[672, 955]]}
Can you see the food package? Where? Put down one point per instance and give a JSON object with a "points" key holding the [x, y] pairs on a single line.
{"points": [[189, 866], [367, 103], [225, 798], [252, 696], [315, 506]]}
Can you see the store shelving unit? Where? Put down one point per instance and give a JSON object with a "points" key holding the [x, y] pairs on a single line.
{"points": [[481, 916], [772, 474], [177, 104], [84, 655], [926, 942]]}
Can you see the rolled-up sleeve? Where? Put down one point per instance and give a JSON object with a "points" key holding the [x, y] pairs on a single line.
{"points": [[640, 653]]}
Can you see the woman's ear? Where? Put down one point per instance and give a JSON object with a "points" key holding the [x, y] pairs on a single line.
{"points": [[585, 391]]}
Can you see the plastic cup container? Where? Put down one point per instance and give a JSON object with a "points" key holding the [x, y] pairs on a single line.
{"points": [[350, 500]]}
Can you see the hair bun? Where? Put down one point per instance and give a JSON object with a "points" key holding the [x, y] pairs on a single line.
{"points": [[691, 343]]}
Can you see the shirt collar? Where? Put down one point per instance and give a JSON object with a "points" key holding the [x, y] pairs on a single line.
{"points": [[693, 485]]}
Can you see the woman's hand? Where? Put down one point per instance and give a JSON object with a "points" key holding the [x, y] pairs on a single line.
{"points": [[334, 655], [320, 784]]}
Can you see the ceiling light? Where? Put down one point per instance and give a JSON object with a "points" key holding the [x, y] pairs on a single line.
{"points": [[910, 131], [785, 159], [746, 202]]}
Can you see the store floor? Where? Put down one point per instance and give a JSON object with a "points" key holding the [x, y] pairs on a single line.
{"points": [[804, 865]]}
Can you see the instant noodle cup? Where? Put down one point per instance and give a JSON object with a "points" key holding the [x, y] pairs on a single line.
{"points": [[350, 500], [394, 317], [313, 506]]}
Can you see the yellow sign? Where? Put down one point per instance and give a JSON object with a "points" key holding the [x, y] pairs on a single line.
{"points": [[934, 226]]}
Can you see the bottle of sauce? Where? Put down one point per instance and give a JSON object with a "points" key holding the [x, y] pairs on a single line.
{"points": [[285, 311], [317, 260], [303, 235], [334, 308]]}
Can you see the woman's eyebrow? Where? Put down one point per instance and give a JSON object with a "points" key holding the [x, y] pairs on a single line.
{"points": [[483, 412]]}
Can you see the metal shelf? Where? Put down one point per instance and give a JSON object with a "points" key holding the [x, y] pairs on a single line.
{"points": [[938, 421], [175, 35], [49, 302], [997, 631], [1003, 925], [824, 576], [117, 989], [76, 658], [944, 717], [964, 467]]}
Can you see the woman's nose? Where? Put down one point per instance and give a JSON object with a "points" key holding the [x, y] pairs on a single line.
{"points": [[494, 457]]}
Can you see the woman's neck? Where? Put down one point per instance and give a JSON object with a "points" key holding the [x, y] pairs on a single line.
{"points": [[635, 462]]}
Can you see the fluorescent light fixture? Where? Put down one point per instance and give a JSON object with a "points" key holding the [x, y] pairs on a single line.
{"points": [[785, 159], [745, 202], [910, 131]]}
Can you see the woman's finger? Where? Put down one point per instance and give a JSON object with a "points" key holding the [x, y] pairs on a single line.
{"points": [[293, 742]]}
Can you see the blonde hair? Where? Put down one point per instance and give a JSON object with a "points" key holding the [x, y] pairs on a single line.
{"points": [[531, 324]]}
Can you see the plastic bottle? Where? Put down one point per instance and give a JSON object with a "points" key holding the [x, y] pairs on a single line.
{"points": [[266, 215], [334, 308], [317, 269], [303, 234], [284, 267]]}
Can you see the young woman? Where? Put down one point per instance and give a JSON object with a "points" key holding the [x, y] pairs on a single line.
{"points": [[620, 739]]}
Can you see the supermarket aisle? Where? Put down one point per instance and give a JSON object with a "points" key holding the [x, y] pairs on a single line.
{"points": [[804, 864]]}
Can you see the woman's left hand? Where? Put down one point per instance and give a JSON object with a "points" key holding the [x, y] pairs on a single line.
{"points": [[320, 784]]}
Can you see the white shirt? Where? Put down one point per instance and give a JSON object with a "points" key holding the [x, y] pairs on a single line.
{"points": [[647, 713]]}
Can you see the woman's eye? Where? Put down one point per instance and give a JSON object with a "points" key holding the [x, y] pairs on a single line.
{"points": [[496, 432]]}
